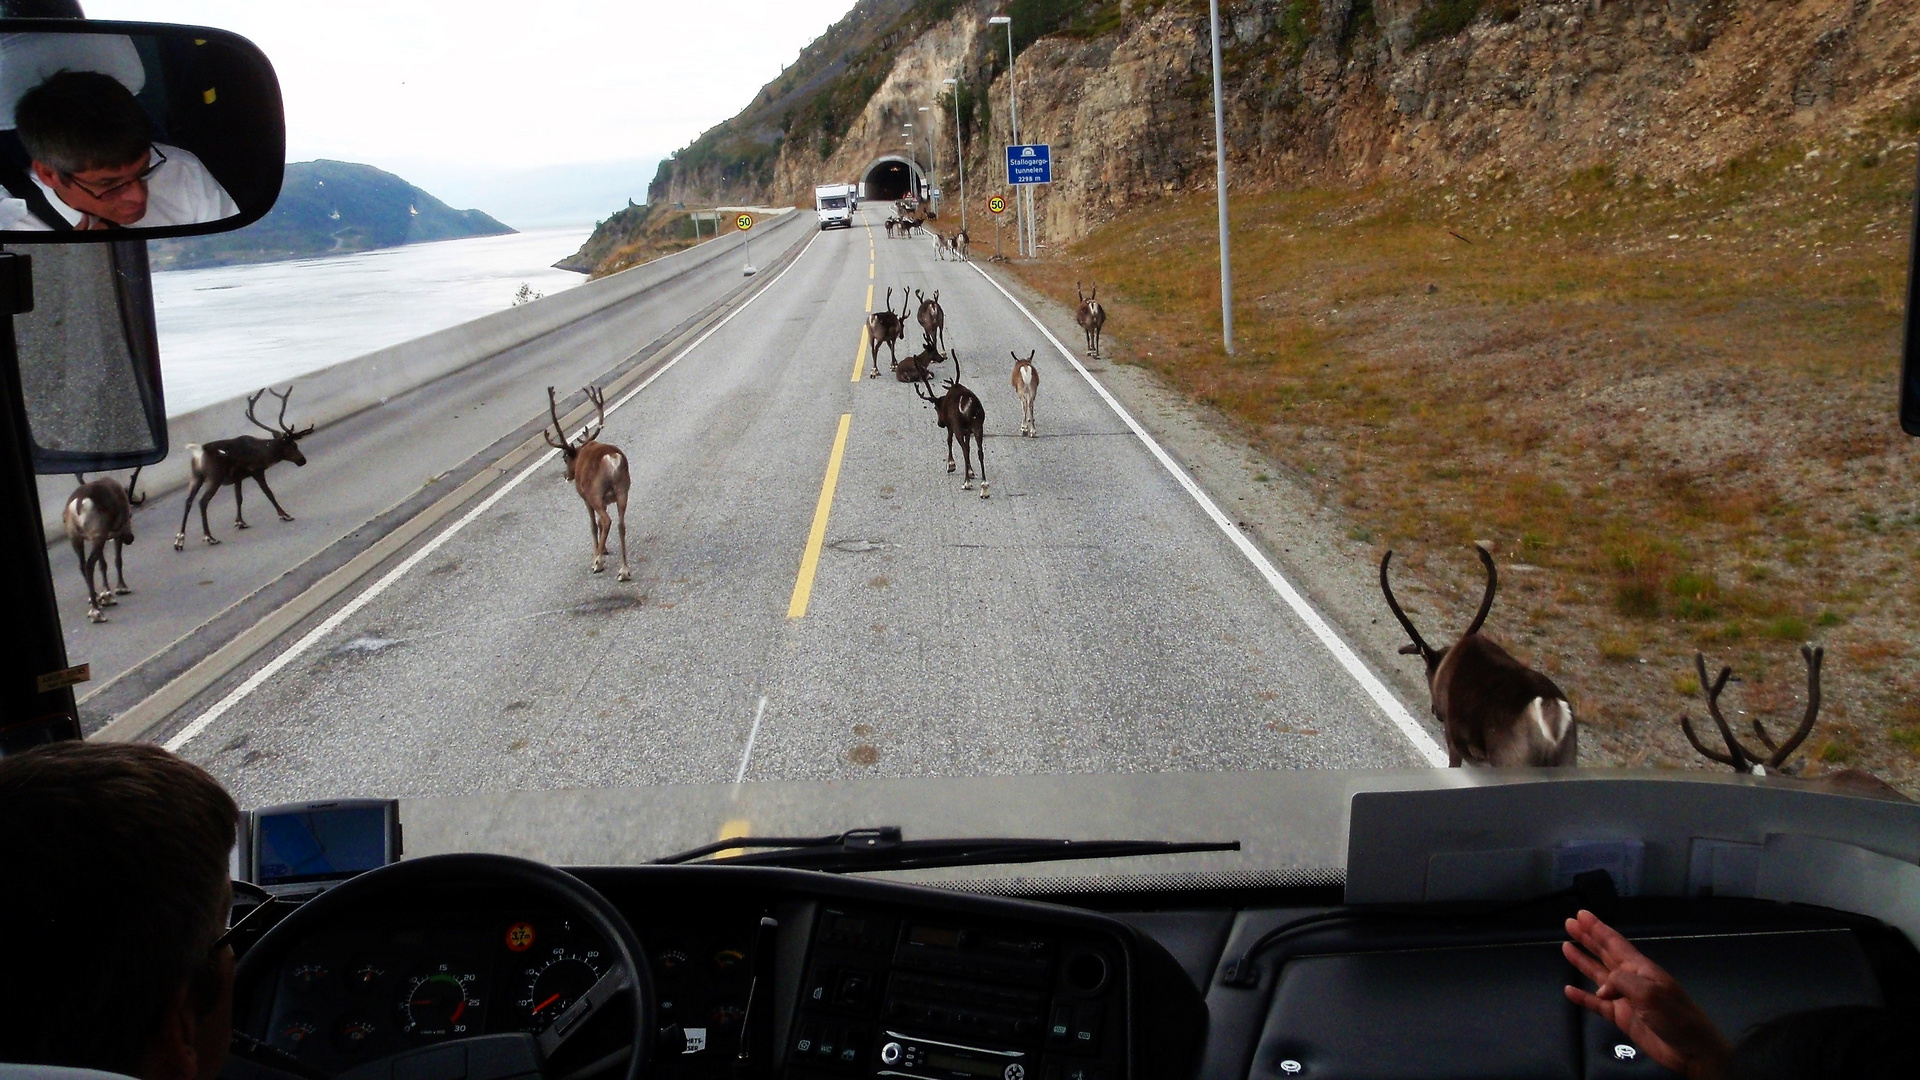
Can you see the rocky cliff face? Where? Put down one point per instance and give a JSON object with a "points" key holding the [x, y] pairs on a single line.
{"points": [[1319, 92]]}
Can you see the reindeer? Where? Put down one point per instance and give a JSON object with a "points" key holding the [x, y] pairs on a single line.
{"points": [[919, 367], [931, 316], [1494, 709], [1743, 759], [1026, 386], [960, 240], [599, 473], [959, 411], [1091, 317], [231, 461], [886, 328], [942, 247], [97, 512]]}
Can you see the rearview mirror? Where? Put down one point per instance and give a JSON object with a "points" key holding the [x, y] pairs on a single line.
{"points": [[112, 128]]}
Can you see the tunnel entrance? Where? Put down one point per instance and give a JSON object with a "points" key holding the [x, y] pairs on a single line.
{"points": [[888, 179]]}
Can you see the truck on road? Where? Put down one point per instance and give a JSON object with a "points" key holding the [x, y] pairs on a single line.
{"points": [[835, 205]]}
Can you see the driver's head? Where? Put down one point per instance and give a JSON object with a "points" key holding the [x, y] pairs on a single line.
{"points": [[113, 890], [90, 142]]}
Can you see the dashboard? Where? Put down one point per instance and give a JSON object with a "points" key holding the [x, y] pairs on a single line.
{"points": [[873, 979]]}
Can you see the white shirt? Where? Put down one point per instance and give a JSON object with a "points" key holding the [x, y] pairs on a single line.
{"points": [[180, 192]]}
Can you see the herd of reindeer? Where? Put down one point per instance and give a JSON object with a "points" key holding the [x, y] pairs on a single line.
{"points": [[1493, 709]]}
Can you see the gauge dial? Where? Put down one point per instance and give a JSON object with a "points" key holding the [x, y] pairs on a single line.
{"points": [[352, 1033], [295, 1033], [442, 1000], [365, 976], [308, 975], [553, 984]]}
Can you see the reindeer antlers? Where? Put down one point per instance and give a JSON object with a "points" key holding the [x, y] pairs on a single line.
{"points": [[1738, 755], [253, 399], [587, 433]]}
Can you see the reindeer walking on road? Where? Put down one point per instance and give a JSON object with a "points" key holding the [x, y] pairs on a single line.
{"points": [[600, 475], [97, 513], [1026, 386], [959, 411], [231, 461], [931, 317], [887, 327]]}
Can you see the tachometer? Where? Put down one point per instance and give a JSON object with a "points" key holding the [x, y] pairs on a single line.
{"points": [[551, 984], [440, 1000]]}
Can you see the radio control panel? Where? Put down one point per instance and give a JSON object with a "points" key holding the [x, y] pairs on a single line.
{"points": [[923, 998]]}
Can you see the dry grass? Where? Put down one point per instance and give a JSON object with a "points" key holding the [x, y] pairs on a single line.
{"points": [[1678, 401]]}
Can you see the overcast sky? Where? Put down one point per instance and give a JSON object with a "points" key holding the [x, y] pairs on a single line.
{"points": [[490, 85]]}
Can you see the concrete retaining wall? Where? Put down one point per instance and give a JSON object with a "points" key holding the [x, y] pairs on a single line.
{"points": [[334, 393]]}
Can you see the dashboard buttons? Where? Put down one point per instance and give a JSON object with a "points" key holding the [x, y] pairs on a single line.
{"points": [[890, 1053], [1015, 1071]]}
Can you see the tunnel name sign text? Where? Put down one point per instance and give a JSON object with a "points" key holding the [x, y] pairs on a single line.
{"points": [[744, 222], [1030, 164]]}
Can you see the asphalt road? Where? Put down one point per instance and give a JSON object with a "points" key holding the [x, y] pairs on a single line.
{"points": [[358, 469], [1088, 617]]}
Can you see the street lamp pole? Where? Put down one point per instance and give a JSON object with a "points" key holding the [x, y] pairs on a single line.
{"points": [[913, 160], [1220, 185], [933, 164], [1013, 107], [959, 152]]}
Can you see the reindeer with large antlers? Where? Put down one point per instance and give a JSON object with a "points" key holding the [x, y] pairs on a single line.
{"points": [[1495, 710], [599, 473], [1743, 759], [887, 327], [959, 411], [230, 461], [1092, 318]]}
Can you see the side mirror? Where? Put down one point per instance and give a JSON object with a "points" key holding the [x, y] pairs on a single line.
{"points": [[115, 128]]}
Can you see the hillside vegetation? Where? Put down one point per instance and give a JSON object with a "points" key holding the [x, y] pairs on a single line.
{"points": [[330, 208]]}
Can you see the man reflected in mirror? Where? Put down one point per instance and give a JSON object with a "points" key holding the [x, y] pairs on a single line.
{"points": [[95, 164]]}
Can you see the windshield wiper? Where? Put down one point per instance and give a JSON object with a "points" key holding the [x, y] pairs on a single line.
{"points": [[884, 849]]}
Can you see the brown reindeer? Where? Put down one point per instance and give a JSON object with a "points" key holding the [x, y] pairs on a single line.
{"points": [[959, 411], [1091, 317], [98, 512], [1494, 709], [960, 242], [919, 367], [1743, 759], [887, 327], [1026, 386], [231, 461], [931, 316], [599, 473]]}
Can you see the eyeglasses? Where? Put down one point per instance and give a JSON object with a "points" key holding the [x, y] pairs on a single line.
{"points": [[158, 159]]}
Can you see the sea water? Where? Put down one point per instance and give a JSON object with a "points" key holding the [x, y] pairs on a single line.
{"points": [[230, 330]]}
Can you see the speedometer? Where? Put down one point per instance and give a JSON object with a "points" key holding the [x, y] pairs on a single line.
{"points": [[549, 985], [442, 999]]}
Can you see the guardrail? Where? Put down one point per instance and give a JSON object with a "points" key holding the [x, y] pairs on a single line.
{"points": [[350, 387]]}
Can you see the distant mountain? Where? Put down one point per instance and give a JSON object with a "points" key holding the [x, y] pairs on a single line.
{"points": [[329, 208]]}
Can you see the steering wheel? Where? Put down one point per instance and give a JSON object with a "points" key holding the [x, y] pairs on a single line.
{"points": [[509, 1056]]}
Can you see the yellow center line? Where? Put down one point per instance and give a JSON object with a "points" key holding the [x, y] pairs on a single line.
{"points": [[730, 830], [860, 355], [869, 271], [810, 561]]}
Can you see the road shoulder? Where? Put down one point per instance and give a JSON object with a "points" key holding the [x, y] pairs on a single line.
{"points": [[1284, 514]]}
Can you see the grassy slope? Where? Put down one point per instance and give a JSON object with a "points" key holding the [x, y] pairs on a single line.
{"points": [[1677, 403]]}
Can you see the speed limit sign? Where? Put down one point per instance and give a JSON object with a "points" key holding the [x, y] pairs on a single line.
{"points": [[997, 204], [743, 222]]}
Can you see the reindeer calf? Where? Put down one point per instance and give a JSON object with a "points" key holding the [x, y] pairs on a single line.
{"points": [[1494, 709], [959, 411], [1092, 318], [1026, 386], [99, 512], [600, 476]]}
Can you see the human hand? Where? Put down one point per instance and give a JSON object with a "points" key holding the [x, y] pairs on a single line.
{"points": [[1641, 999]]}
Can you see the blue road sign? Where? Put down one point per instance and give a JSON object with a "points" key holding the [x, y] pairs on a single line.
{"points": [[1030, 164]]}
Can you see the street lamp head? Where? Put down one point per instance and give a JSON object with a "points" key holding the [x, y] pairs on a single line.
{"points": [[999, 20], [923, 108], [949, 82]]}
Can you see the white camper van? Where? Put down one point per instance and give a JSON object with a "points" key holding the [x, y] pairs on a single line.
{"points": [[834, 202]]}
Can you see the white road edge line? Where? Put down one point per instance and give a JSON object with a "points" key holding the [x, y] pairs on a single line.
{"points": [[293, 652], [758, 712], [1370, 683]]}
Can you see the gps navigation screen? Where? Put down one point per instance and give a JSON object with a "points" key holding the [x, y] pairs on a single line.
{"points": [[320, 845]]}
